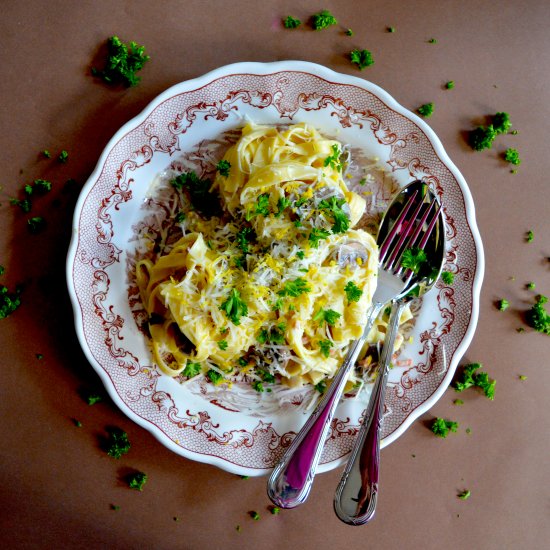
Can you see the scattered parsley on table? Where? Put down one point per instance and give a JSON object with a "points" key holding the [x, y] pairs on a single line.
{"points": [[36, 224], [92, 398], [450, 85], [291, 22], [117, 444], [137, 480], [464, 495], [530, 236], [472, 378], [511, 155], [323, 20], [503, 304], [63, 157], [442, 427], [40, 185], [122, 63], [483, 136], [24, 204], [426, 110], [537, 317], [9, 301], [361, 58]]}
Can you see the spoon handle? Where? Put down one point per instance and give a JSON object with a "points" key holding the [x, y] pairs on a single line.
{"points": [[291, 480], [357, 492]]}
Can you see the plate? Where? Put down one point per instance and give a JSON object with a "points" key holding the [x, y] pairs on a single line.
{"points": [[238, 429]]}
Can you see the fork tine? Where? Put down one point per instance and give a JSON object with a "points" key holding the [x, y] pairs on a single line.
{"points": [[408, 227], [415, 234], [430, 226], [425, 236], [395, 228]]}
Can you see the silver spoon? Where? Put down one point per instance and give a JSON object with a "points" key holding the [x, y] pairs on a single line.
{"points": [[356, 495], [291, 480]]}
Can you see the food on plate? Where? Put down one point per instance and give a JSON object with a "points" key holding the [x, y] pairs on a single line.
{"points": [[275, 284]]}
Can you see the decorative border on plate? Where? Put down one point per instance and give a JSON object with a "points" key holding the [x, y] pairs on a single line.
{"points": [[197, 431]]}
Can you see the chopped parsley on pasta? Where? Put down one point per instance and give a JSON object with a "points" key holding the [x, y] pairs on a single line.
{"points": [[278, 285]]}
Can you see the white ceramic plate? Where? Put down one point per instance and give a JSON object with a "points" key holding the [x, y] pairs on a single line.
{"points": [[241, 430]]}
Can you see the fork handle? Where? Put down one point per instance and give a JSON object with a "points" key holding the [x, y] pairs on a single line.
{"points": [[291, 480], [357, 492]]}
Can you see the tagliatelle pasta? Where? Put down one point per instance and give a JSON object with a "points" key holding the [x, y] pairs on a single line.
{"points": [[277, 285]]}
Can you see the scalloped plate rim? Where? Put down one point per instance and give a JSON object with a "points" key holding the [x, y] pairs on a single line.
{"points": [[265, 68]]}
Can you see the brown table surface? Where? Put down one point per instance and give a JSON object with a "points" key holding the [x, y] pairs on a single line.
{"points": [[57, 486]]}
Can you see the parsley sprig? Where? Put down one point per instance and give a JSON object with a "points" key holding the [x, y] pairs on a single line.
{"points": [[294, 288], [260, 208], [537, 317], [472, 378], [322, 20], [426, 110], [122, 63], [483, 136], [191, 369], [223, 168], [333, 160], [328, 316], [333, 206], [353, 292], [442, 427], [136, 480], [414, 258], [9, 301], [317, 235], [199, 193], [324, 347], [244, 236], [117, 444], [234, 307], [361, 58], [291, 22]]}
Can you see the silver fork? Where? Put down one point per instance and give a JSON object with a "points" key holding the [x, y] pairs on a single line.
{"points": [[291, 480]]}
